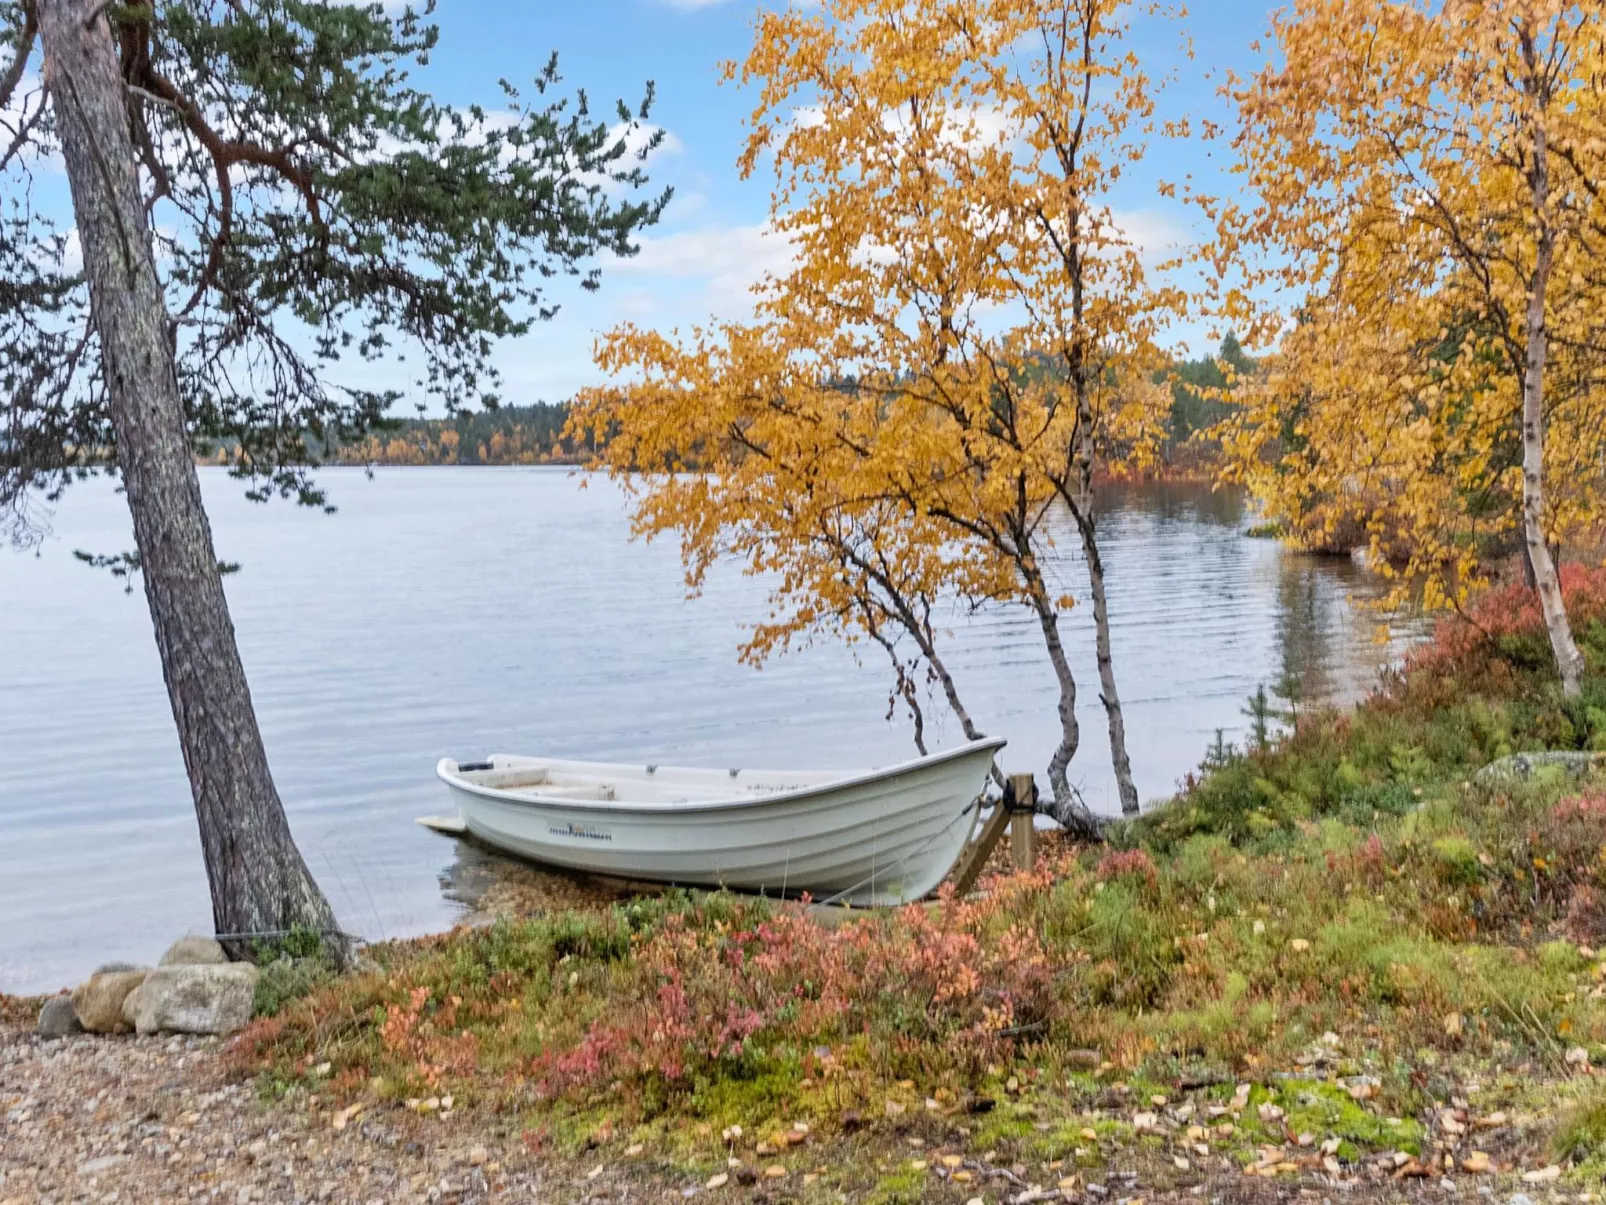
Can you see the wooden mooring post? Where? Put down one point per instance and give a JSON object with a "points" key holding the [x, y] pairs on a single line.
{"points": [[1008, 814], [1022, 811]]}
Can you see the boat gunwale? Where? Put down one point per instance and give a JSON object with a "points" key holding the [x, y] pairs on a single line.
{"points": [[453, 779]]}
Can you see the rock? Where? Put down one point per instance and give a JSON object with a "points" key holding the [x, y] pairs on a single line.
{"points": [[111, 968], [194, 951], [99, 1000], [1526, 765], [195, 999], [58, 1018]]}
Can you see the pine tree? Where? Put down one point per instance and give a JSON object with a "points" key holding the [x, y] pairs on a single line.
{"points": [[260, 197]]}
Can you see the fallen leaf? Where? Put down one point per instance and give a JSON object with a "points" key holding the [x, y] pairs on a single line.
{"points": [[718, 1180], [1543, 1175], [1477, 1163]]}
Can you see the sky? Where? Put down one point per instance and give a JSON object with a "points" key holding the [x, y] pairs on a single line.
{"points": [[710, 246]]}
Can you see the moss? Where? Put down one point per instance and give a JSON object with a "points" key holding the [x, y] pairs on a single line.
{"points": [[905, 1185], [749, 1099], [1003, 1125], [1328, 1110]]}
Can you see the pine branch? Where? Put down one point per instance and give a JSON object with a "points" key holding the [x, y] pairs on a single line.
{"points": [[25, 41]]}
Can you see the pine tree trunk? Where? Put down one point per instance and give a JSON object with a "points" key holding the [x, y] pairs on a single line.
{"points": [[259, 882], [1569, 662]]}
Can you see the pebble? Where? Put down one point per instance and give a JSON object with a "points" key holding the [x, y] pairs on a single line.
{"points": [[135, 1119]]}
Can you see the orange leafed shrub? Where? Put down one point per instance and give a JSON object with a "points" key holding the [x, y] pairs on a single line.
{"points": [[1507, 622], [957, 970]]}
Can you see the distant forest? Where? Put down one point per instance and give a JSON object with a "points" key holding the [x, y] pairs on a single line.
{"points": [[534, 434], [1193, 411], [507, 435]]}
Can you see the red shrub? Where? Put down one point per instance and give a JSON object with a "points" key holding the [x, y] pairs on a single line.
{"points": [[1462, 643]]}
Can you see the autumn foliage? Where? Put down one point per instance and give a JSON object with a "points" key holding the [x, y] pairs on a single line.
{"points": [[1421, 250], [964, 338]]}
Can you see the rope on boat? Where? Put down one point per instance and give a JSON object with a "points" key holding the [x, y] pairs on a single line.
{"points": [[882, 872]]}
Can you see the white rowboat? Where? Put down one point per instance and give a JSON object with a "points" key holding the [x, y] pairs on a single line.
{"points": [[870, 837]]}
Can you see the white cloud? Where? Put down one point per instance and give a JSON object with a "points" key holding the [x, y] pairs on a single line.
{"points": [[729, 260], [690, 6], [23, 107]]}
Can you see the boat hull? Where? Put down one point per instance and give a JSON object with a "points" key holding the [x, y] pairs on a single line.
{"points": [[877, 838]]}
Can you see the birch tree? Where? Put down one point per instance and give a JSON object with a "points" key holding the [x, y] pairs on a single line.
{"points": [[1427, 184], [943, 174]]}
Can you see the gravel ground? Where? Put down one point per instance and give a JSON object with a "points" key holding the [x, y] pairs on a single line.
{"points": [[154, 1119], [127, 1119]]}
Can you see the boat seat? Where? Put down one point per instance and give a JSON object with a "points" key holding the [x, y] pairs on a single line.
{"points": [[585, 790]]}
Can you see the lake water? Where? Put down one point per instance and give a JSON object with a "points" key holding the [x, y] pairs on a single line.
{"points": [[457, 612]]}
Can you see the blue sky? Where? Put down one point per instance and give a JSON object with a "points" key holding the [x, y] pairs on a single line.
{"points": [[700, 260], [709, 247]]}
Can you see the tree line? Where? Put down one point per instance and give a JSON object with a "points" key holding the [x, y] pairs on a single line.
{"points": [[539, 433], [507, 435]]}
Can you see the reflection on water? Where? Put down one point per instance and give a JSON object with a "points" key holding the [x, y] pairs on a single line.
{"points": [[467, 611]]}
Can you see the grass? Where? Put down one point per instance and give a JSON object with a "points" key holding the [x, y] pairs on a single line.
{"points": [[1332, 938]]}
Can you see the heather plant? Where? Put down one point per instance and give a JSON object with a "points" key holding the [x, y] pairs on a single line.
{"points": [[1354, 882]]}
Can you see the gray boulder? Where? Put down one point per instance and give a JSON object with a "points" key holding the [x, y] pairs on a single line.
{"points": [[98, 1001], [1523, 766], [194, 951], [193, 999], [58, 1018]]}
